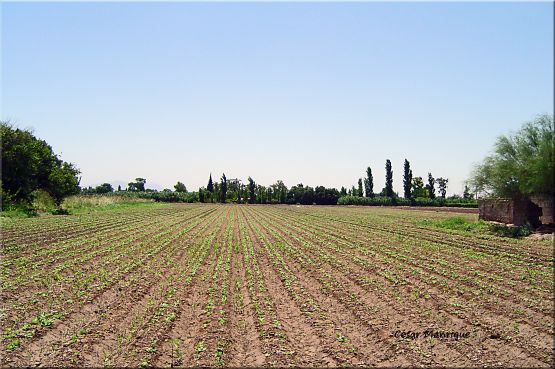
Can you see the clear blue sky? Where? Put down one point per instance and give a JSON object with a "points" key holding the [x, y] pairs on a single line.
{"points": [[310, 93]]}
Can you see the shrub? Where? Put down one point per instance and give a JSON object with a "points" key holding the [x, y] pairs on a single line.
{"points": [[399, 201]]}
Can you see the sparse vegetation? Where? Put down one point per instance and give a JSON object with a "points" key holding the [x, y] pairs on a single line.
{"points": [[187, 284]]}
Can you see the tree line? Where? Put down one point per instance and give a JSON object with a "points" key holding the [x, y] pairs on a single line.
{"points": [[30, 165], [226, 190], [522, 164]]}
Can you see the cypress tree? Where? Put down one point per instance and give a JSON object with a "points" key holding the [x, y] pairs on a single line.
{"points": [[360, 193], [210, 186], [223, 189], [252, 189], [369, 183], [407, 180], [388, 179]]}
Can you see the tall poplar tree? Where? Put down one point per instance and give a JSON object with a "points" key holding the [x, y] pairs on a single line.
{"points": [[388, 179], [369, 183], [251, 188], [431, 186], [407, 180], [223, 189]]}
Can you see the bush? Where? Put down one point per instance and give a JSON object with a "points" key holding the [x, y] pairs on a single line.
{"points": [[400, 201], [510, 231], [372, 201], [30, 164], [158, 196], [462, 224]]}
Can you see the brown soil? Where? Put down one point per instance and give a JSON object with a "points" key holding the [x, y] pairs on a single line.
{"points": [[250, 286]]}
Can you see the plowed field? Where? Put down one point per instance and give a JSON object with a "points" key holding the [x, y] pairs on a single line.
{"points": [[255, 285]]}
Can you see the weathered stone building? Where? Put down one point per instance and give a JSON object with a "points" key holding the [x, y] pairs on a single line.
{"points": [[536, 210]]}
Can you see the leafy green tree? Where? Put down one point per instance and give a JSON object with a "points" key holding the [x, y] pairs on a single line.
{"points": [[138, 185], [343, 191], [29, 164], [407, 179], [200, 195], [388, 179], [431, 186], [26, 163], [360, 190], [369, 183], [223, 189], [119, 188], [210, 186], [104, 188], [442, 186], [521, 164], [353, 191], [251, 187], [261, 194], [279, 190], [418, 189], [300, 194], [63, 182], [180, 187], [325, 196]]}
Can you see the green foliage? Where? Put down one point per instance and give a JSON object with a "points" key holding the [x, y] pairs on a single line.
{"points": [[63, 182], [325, 196], [110, 201], [104, 188], [223, 189], [368, 183], [453, 201], [456, 223], [356, 200], [29, 164], [101, 189], [300, 194], [398, 201], [279, 192], [430, 187], [43, 202], [180, 187], [210, 186], [388, 179], [460, 223], [511, 231], [251, 188], [407, 180], [521, 164], [343, 192], [360, 191], [138, 185], [169, 196], [418, 189], [442, 186]]}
